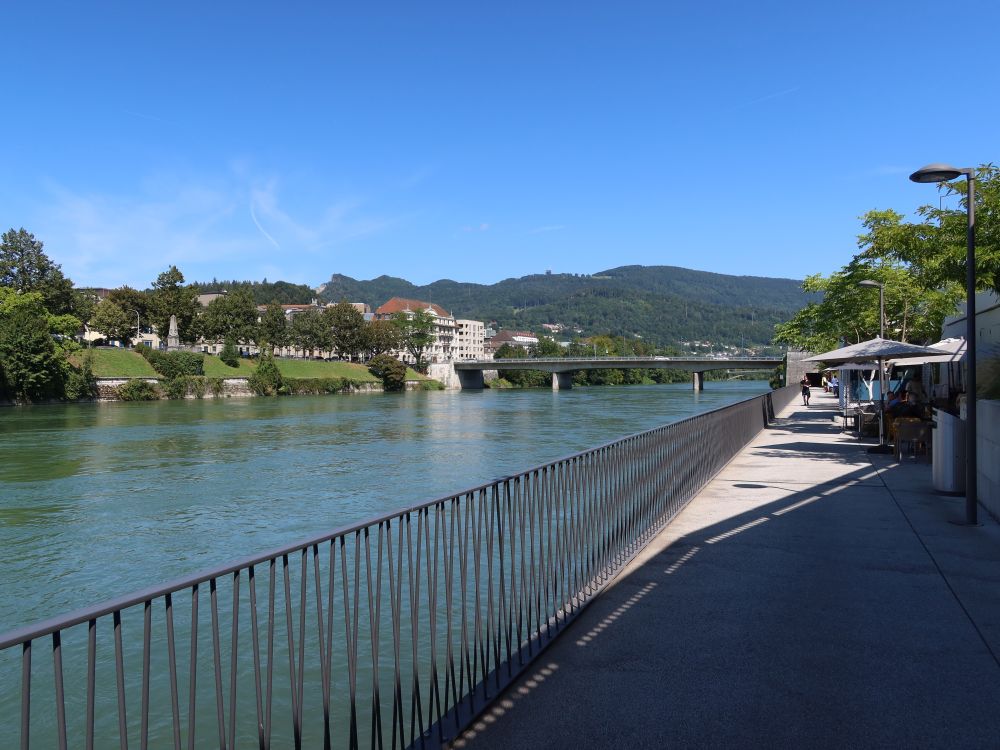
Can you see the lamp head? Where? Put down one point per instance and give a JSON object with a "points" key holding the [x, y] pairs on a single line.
{"points": [[869, 282], [937, 173]]}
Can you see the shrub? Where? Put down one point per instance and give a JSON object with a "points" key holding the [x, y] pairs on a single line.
{"points": [[138, 390], [174, 364], [216, 385], [81, 384], [228, 355], [432, 385], [199, 386], [177, 388], [389, 370], [266, 379], [315, 385]]}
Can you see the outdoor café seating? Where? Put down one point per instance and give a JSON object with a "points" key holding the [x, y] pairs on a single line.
{"points": [[913, 435]]}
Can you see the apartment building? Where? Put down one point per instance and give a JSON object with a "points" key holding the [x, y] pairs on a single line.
{"points": [[453, 339]]}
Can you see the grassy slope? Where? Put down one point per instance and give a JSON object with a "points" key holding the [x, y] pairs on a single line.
{"points": [[110, 363], [115, 363], [215, 368]]}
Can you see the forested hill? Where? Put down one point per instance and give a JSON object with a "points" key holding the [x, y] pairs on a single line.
{"points": [[663, 304]]}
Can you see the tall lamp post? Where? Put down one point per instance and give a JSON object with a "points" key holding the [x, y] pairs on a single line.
{"points": [[937, 173], [882, 446]]}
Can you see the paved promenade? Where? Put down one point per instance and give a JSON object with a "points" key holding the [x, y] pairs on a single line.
{"points": [[811, 596]]}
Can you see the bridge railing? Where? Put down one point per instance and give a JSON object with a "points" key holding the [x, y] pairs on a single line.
{"points": [[623, 360], [394, 632]]}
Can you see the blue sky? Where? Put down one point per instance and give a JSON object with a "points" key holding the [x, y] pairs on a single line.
{"points": [[458, 140]]}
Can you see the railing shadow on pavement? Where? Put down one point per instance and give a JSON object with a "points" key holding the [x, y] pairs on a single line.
{"points": [[641, 629]]}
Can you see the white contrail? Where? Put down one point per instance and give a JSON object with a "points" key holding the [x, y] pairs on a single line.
{"points": [[263, 231]]}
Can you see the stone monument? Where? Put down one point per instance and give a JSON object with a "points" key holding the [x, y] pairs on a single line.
{"points": [[173, 341]]}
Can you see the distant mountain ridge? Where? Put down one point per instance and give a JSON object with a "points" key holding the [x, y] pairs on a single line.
{"points": [[662, 304]]}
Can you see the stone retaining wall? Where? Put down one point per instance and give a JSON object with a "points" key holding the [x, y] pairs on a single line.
{"points": [[107, 388]]}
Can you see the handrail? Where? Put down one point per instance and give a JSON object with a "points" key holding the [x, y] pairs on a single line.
{"points": [[468, 588]]}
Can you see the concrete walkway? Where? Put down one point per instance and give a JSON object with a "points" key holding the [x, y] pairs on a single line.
{"points": [[811, 596]]}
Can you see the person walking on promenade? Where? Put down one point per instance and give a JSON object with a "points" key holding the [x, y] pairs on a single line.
{"points": [[835, 386], [805, 390]]}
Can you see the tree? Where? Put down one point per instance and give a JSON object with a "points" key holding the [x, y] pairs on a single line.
{"points": [[520, 378], [381, 337], [347, 327], [24, 266], [232, 316], [31, 365], [110, 320], [934, 249], [416, 332], [133, 302], [272, 331], [913, 312], [548, 347], [266, 379], [310, 332], [170, 297], [228, 355], [389, 370]]}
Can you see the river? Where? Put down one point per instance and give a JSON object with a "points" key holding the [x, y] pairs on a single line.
{"points": [[100, 499]]}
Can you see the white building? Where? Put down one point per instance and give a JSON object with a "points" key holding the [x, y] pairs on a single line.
{"points": [[470, 340]]}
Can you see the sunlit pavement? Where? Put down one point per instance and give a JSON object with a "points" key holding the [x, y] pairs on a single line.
{"points": [[813, 595]]}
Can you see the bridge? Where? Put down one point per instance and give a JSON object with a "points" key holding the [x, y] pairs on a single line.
{"points": [[470, 372]]}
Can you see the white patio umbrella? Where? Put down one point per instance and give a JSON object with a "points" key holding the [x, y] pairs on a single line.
{"points": [[880, 349]]}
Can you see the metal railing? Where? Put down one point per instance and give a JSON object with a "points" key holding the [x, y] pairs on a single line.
{"points": [[394, 632]]}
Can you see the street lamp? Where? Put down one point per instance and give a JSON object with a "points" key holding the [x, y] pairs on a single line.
{"points": [[882, 447], [942, 173]]}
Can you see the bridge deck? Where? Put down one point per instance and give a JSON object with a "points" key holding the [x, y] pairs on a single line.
{"points": [[811, 596]]}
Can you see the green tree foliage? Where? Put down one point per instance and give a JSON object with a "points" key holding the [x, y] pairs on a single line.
{"points": [[81, 384], [133, 302], [24, 266], [231, 316], [389, 370], [310, 332], [347, 327], [229, 355], [416, 333], [913, 312], [138, 389], [266, 379], [112, 322], [381, 337], [934, 248], [521, 378], [32, 367], [170, 296], [272, 331]]}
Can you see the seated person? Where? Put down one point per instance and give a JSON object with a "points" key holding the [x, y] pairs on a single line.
{"points": [[892, 401]]}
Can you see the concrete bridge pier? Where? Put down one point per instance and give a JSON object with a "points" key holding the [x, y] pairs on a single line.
{"points": [[698, 381], [562, 381]]}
